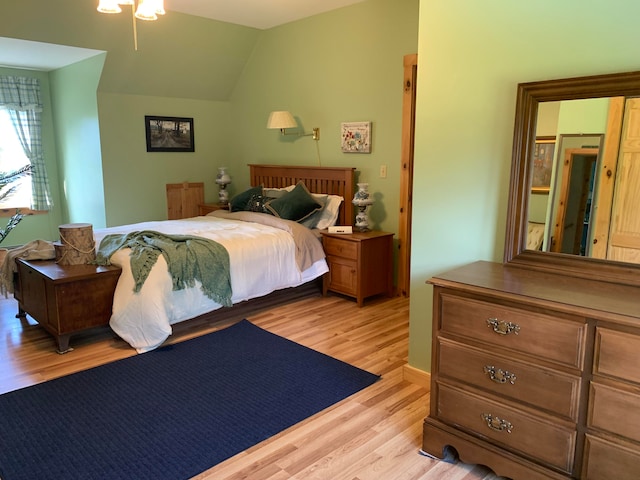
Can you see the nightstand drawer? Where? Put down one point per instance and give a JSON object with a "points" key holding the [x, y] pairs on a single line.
{"points": [[521, 381], [340, 248], [542, 437], [520, 330]]}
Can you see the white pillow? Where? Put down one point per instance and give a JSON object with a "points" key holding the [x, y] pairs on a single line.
{"points": [[277, 192], [327, 216]]}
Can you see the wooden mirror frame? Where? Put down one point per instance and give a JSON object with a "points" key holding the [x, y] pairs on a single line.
{"points": [[528, 97]]}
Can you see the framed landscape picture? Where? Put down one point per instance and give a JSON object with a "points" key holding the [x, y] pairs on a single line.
{"points": [[169, 134]]}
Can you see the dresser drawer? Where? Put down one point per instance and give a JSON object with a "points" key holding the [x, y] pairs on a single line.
{"points": [[614, 410], [525, 382], [616, 354], [547, 337], [340, 248], [533, 436], [607, 460]]}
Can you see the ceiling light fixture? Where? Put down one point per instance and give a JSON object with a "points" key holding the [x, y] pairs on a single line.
{"points": [[147, 10]]}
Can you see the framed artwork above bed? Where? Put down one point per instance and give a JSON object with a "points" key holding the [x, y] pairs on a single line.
{"points": [[169, 134]]}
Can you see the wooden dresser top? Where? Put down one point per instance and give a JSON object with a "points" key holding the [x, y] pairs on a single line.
{"points": [[600, 300]]}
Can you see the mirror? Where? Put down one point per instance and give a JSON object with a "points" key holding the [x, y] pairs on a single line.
{"points": [[603, 263]]}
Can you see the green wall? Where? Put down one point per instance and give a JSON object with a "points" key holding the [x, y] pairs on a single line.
{"points": [[75, 112], [135, 179], [471, 58], [342, 66]]}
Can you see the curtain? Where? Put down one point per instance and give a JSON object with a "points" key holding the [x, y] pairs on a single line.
{"points": [[21, 97]]}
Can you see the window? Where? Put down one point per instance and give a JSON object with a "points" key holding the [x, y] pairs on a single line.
{"points": [[12, 158], [21, 142]]}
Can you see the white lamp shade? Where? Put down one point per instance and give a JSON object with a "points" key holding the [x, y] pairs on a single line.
{"points": [[281, 119], [159, 6], [109, 6], [146, 10]]}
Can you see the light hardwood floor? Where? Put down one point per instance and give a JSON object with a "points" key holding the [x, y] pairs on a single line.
{"points": [[373, 435]]}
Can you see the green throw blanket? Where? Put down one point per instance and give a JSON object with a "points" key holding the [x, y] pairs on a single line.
{"points": [[189, 258]]}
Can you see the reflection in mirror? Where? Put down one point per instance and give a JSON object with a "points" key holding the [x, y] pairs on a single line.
{"points": [[586, 220], [565, 207]]}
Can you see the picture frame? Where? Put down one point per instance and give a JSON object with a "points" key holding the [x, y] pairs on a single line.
{"points": [[356, 137], [543, 155], [169, 134]]}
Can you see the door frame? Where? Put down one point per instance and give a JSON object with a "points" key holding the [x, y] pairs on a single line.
{"points": [[410, 63]]}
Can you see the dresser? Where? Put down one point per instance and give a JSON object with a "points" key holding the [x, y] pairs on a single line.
{"points": [[65, 299], [534, 374], [360, 264]]}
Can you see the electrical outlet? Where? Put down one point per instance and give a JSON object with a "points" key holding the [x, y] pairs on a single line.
{"points": [[383, 171]]}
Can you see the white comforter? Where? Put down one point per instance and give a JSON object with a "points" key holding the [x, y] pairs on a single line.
{"points": [[262, 259]]}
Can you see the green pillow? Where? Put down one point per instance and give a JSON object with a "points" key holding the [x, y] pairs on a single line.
{"points": [[240, 201], [295, 205]]}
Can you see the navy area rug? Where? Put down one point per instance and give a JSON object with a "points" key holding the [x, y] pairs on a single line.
{"points": [[171, 413]]}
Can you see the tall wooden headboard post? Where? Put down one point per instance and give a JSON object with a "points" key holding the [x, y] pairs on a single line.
{"points": [[330, 180]]}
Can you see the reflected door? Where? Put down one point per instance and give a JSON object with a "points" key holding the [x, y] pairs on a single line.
{"points": [[624, 237], [571, 226]]}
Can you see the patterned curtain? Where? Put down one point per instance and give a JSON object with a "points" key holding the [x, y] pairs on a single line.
{"points": [[21, 97]]}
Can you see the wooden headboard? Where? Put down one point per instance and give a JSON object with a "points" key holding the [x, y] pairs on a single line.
{"points": [[330, 180]]}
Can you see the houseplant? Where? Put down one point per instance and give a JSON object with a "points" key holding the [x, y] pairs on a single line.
{"points": [[7, 189]]}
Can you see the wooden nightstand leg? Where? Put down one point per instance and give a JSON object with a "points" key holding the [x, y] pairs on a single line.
{"points": [[63, 343], [21, 313], [325, 283]]}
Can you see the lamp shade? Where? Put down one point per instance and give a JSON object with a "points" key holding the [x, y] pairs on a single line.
{"points": [[146, 10], [109, 6], [281, 119]]}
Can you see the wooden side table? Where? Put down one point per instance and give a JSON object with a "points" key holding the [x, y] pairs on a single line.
{"points": [[204, 208], [360, 264], [65, 299]]}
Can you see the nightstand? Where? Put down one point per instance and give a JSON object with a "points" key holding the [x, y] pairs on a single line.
{"points": [[204, 208], [360, 264], [65, 299]]}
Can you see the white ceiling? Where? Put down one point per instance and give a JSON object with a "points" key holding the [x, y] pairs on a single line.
{"points": [[40, 56], [261, 14]]}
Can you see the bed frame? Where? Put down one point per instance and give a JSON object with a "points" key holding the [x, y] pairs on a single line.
{"points": [[331, 180]]}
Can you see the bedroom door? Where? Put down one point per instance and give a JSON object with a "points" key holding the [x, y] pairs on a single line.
{"points": [[406, 173]]}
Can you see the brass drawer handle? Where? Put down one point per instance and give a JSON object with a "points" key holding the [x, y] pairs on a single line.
{"points": [[503, 328], [496, 423], [498, 375]]}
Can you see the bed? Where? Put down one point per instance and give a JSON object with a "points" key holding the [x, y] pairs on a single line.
{"points": [[265, 254]]}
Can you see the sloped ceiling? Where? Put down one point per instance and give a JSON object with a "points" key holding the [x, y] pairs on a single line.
{"points": [[260, 14]]}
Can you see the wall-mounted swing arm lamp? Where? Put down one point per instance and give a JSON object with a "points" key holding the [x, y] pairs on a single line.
{"points": [[283, 120]]}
